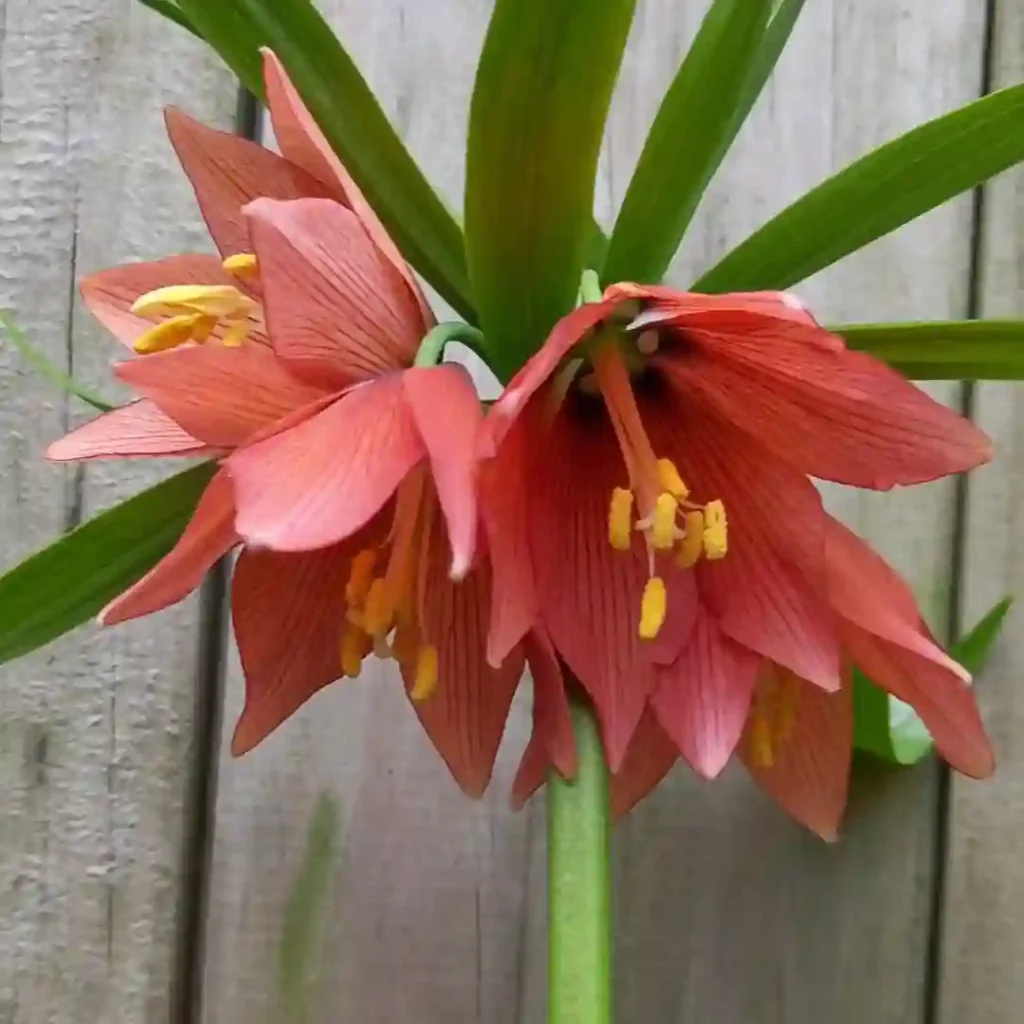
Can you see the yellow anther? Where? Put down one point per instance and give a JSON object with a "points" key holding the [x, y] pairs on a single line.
{"points": [[360, 576], [242, 264], [172, 333], [355, 645], [716, 531], [671, 481], [378, 611], [762, 752], [663, 523], [652, 608], [692, 544], [212, 299], [425, 682], [235, 334], [620, 519]]}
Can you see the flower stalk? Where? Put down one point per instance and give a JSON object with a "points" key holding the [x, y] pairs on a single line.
{"points": [[579, 882]]}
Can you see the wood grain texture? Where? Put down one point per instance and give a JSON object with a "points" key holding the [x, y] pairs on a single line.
{"points": [[95, 730], [726, 912], [983, 910]]}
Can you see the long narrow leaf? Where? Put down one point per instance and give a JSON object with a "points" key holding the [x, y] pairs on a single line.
{"points": [[350, 116], [541, 97], [890, 729], [47, 370], [944, 350], [880, 192], [71, 580], [688, 140], [171, 12]]}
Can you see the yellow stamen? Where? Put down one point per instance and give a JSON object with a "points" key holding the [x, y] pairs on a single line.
{"points": [[620, 519], [762, 752], [212, 299], [663, 523], [360, 576], [692, 544], [425, 682], [671, 481], [379, 610], [716, 531], [235, 334], [652, 608], [242, 264], [355, 645], [172, 333]]}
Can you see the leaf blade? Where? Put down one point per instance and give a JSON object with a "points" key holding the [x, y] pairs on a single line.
{"points": [[943, 350], [68, 582], [889, 187], [692, 131], [541, 96]]}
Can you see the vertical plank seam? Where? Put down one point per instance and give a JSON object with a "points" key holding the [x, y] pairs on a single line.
{"points": [[198, 833], [958, 543]]}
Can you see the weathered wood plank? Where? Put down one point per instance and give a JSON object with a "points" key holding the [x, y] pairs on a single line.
{"points": [[95, 731], [726, 912], [983, 930]]}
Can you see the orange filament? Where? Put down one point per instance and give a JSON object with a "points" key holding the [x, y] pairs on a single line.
{"points": [[773, 716], [656, 488], [380, 613]]}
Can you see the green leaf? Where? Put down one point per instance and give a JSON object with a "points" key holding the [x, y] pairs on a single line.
{"points": [[890, 729], [49, 371], [69, 582], [541, 97], [352, 120], [944, 350], [879, 193], [688, 140], [172, 13], [304, 914]]}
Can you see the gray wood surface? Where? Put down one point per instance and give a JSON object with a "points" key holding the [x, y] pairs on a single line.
{"points": [[983, 912], [95, 730]]}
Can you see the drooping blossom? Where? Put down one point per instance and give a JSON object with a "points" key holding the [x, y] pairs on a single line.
{"points": [[349, 473], [683, 564]]}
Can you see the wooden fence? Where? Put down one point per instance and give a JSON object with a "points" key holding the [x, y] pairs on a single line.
{"points": [[336, 875]]}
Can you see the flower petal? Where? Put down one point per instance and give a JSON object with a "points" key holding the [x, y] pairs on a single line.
{"points": [[810, 771], [318, 482], [703, 698], [109, 294], [288, 615], [566, 333], [504, 509], [338, 311], [590, 594], [209, 536], [465, 715], [447, 414], [650, 757], [303, 143], [227, 172], [552, 743], [887, 640], [834, 414], [221, 395], [769, 592], [136, 429]]}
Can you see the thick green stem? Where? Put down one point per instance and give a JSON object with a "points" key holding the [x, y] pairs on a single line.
{"points": [[579, 883]]}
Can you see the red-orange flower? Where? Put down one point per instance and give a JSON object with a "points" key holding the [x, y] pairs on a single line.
{"points": [[293, 363], [654, 418]]}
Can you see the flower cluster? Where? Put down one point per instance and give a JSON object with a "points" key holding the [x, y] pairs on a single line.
{"points": [[634, 516]]}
